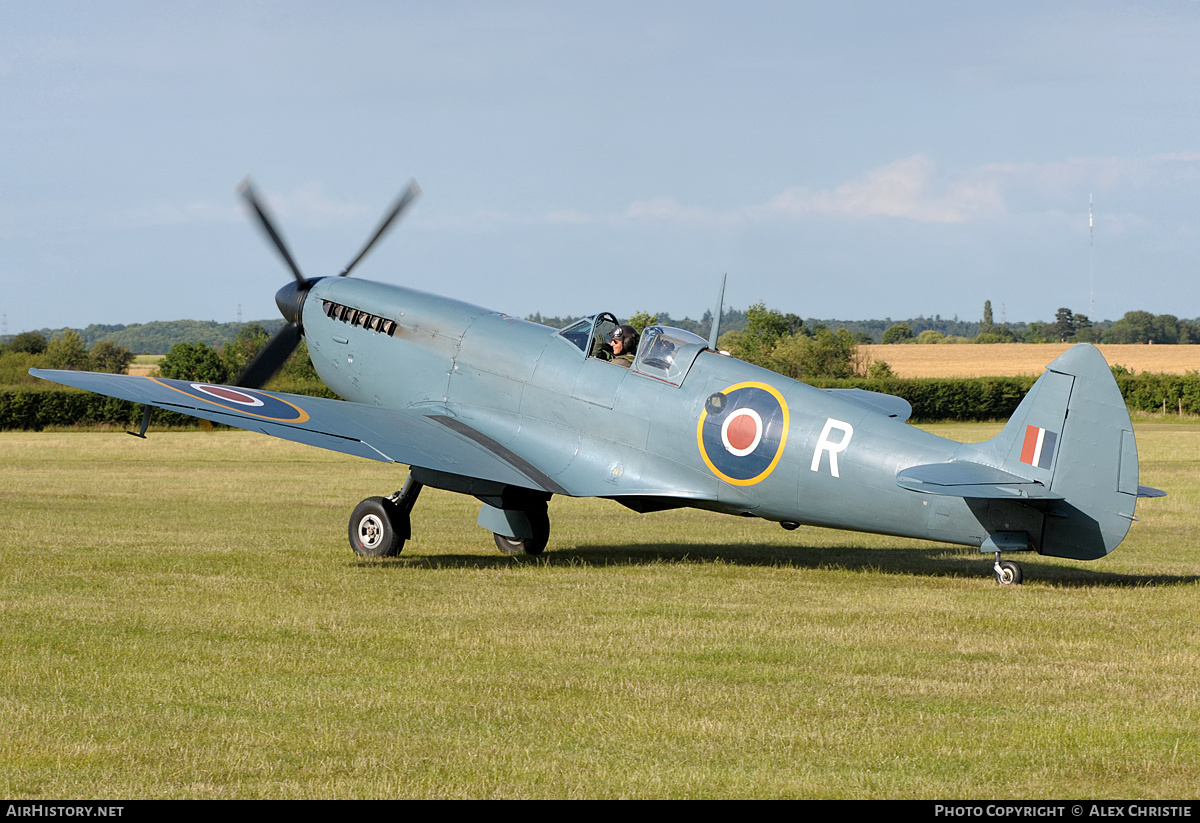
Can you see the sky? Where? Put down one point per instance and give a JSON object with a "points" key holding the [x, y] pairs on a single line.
{"points": [[844, 160]]}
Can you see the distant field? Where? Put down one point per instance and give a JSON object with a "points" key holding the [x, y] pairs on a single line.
{"points": [[143, 364], [968, 360]]}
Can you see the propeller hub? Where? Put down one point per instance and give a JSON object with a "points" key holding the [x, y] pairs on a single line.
{"points": [[290, 299]]}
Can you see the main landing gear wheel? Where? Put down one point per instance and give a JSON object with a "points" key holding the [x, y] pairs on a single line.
{"points": [[1008, 573], [539, 521], [377, 528]]}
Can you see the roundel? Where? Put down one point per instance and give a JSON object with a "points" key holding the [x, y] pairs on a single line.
{"points": [[742, 432], [249, 402]]}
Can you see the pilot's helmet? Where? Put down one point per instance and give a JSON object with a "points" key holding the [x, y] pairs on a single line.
{"points": [[627, 335]]}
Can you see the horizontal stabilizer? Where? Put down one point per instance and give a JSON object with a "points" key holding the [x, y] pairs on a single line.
{"points": [[889, 404], [974, 480], [1146, 491]]}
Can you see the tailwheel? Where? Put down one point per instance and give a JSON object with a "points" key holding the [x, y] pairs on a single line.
{"points": [[378, 528], [1008, 573], [539, 521]]}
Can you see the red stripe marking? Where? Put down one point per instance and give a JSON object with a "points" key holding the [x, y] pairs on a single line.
{"points": [[1031, 438]]}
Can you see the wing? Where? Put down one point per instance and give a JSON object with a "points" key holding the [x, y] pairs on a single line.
{"points": [[429, 437]]}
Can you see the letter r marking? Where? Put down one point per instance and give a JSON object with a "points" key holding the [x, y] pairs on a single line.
{"points": [[824, 444]]}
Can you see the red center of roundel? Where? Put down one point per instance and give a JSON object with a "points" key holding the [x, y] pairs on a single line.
{"points": [[742, 431], [230, 394]]}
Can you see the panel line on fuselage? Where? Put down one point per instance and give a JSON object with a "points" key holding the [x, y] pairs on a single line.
{"points": [[512, 458]]}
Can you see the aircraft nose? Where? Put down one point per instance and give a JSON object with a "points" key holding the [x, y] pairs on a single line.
{"points": [[290, 299]]}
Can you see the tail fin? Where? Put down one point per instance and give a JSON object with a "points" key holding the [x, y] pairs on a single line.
{"points": [[1072, 434]]}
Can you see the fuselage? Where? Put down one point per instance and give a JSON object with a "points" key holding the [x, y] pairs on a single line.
{"points": [[792, 453]]}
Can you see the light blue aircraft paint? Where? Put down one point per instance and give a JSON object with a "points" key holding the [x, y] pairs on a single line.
{"points": [[512, 412]]}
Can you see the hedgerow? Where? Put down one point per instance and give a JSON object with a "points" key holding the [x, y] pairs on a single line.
{"points": [[996, 398], [932, 399], [33, 408]]}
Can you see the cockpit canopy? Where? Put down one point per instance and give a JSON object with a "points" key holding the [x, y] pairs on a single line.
{"points": [[591, 333], [664, 352]]}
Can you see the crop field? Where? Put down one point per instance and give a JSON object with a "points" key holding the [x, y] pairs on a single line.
{"points": [[968, 360], [144, 364], [183, 618]]}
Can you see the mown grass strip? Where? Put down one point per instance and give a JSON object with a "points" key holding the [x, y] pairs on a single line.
{"points": [[182, 617]]}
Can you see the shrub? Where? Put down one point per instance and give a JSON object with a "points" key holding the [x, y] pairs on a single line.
{"points": [[194, 361], [879, 370], [899, 333]]}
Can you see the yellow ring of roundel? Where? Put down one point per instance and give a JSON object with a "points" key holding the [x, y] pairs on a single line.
{"points": [[782, 437]]}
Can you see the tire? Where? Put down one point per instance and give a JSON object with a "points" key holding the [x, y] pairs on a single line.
{"points": [[539, 521], [373, 528], [1008, 573], [509, 545]]}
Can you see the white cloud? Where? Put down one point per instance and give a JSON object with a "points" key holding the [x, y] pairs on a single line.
{"points": [[568, 216], [914, 188], [307, 205], [310, 205], [176, 214], [667, 208], [909, 188]]}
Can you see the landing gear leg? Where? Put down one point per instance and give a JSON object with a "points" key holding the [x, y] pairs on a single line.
{"points": [[380, 525], [1008, 573], [406, 498]]}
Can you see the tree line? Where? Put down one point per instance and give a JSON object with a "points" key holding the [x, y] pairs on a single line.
{"points": [[785, 343], [1068, 327], [1135, 327], [199, 360], [66, 351], [159, 336]]}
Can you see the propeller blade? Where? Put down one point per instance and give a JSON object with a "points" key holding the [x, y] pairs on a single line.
{"points": [[406, 197], [247, 192], [272, 357], [290, 298]]}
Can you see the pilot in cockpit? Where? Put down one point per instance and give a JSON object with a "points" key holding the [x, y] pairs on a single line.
{"points": [[624, 343]]}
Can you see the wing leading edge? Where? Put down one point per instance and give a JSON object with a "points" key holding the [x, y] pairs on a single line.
{"points": [[415, 438]]}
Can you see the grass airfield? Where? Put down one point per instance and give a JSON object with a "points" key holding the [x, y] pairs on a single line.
{"points": [[183, 617]]}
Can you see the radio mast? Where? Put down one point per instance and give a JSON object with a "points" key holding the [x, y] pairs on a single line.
{"points": [[1091, 266]]}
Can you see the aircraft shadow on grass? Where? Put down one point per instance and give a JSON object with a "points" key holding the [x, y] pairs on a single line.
{"points": [[934, 561]]}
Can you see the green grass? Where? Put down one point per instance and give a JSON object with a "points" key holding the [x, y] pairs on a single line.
{"points": [[182, 617]]}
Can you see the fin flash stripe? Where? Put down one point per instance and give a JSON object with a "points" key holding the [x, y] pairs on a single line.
{"points": [[1038, 449]]}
